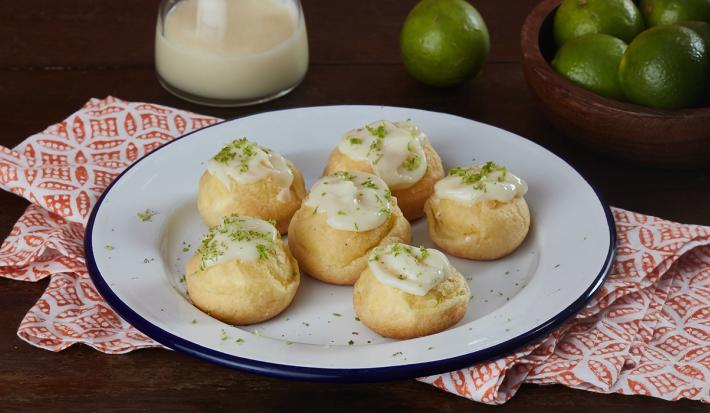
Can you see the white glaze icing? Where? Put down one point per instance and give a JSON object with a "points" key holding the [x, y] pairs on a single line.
{"points": [[237, 238], [481, 182], [247, 162], [394, 150], [353, 201], [412, 270]]}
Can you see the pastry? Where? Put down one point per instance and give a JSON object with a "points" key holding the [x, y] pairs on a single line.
{"points": [[397, 152], [478, 212], [247, 179], [345, 215], [242, 273], [407, 292]]}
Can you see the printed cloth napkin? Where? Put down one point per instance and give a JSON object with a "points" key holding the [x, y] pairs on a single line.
{"points": [[646, 332]]}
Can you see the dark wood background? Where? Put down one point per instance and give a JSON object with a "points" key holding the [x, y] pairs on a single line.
{"points": [[55, 55]]}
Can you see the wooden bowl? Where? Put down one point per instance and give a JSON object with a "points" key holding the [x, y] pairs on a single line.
{"points": [[664, 138]]}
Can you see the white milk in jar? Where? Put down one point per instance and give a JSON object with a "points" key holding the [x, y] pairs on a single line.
{"points": [[231, 52]]}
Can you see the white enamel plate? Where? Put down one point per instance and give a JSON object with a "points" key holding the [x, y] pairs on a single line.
{"points": [[138, 265]]}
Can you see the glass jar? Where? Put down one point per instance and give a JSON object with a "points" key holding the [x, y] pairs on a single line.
{"points": [[230, 52]]}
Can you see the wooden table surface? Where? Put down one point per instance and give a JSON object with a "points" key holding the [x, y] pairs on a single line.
{"points": [[56, 55]]}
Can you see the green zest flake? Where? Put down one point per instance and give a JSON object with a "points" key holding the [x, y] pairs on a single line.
{"points": [[398, 353], [242, 148], [182, 279], [412, 163], [423, 254], [355, 141], [315, 210], [344, 175], [194, 321], [337, 314], [263, 251], [147, 215], [402, 277], [357, 318], [225, 155], [211, 248], [369, 184], [380, 131], [110, 248], [429, 348], [350, 342], [240, 340], [223, 335], [185, 249], [476, 176], [341, 212]]}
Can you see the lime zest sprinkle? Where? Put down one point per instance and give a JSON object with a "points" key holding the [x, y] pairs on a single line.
{"points": [[476, 176], [211, 248], [147, 215], [345, 175], [412, 163], [380, 131], [369, 184], [241, 148]]}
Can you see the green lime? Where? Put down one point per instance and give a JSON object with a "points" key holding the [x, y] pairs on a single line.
{"points": [[665, 67], [702, 29], [575, 18], [444, 42], [592, 62], [658, 12]]}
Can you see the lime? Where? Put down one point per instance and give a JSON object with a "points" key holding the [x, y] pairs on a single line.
{"points": [[658, 12], [702, 29], [444, 42], [592, 62], [665, 67], [619, 18]]}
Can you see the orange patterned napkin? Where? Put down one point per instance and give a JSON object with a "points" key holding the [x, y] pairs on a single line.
{"points": [[646, 332]]}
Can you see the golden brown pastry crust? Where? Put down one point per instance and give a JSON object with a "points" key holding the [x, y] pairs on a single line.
{"points": [[410, 200], [244, 292], [485, 230], [396, 314], [336, 256], [257, 199]]}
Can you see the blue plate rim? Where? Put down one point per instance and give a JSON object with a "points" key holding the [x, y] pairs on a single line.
{"points": [[339, 374]]}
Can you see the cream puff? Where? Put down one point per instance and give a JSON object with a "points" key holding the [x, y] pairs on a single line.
{"points": [[242, 273], [479, 212], [247, 179], [342, 219], [397, 152], [407, 292]]}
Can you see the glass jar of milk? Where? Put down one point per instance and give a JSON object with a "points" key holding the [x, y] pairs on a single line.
{"points": [[230, 52]]}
